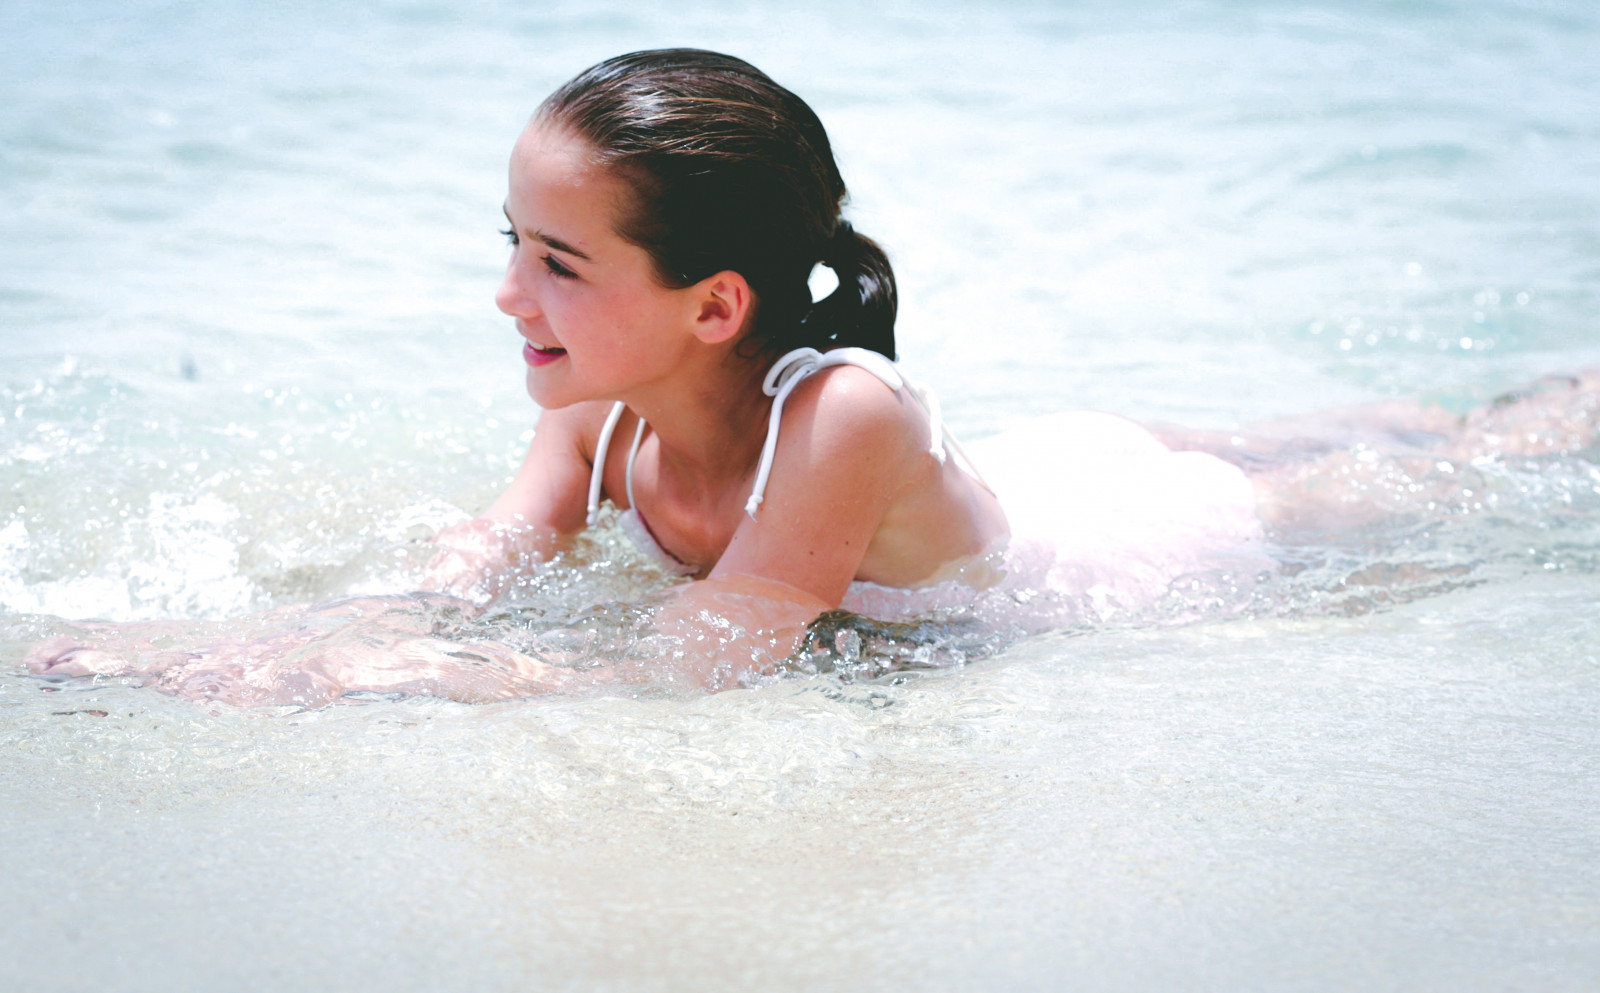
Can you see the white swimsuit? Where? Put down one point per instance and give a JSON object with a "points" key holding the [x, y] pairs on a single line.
{"points": [[781, 380]]}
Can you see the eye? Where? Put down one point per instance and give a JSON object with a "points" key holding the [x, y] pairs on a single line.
{"points": [[557, 269], [511, 236]]}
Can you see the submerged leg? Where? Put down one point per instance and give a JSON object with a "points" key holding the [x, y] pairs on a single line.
{"points": [[1360, 465], [1557, 415]]}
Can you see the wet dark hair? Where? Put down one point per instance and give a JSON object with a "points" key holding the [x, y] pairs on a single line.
{"points": [[730, 171]]}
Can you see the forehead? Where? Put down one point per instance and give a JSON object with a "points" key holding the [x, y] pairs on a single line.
{"points": [[552, 149], [557, 181]]}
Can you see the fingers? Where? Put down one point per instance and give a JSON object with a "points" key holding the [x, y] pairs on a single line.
{"points": [[46, 653], [63, 656]]}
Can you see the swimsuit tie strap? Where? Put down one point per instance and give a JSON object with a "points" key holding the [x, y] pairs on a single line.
{"points": [[795, 366], [633, 454], [598, 472]]}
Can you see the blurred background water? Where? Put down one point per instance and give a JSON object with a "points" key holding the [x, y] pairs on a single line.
{"points": [[249, 356]]}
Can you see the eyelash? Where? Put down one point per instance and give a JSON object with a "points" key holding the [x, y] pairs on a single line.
{"points": [[557, 269], [551, 263]]}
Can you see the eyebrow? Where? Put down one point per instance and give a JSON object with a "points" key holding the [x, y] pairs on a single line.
{"points": [[551, 240]]}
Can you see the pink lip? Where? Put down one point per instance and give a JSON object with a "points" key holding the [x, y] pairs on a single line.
{"points": [[536, 356]]}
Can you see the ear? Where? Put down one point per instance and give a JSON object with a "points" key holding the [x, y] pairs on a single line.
{"points": [[724, 304]]}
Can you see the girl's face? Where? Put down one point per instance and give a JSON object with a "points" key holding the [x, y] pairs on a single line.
{"points": [[595, 321]]}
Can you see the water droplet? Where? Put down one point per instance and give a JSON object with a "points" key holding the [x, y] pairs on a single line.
{"points": [[848, 644]]}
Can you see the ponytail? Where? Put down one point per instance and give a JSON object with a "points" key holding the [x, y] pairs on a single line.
{"points": [[861, 311]]}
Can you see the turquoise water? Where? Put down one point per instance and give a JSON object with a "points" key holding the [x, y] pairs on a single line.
{"points": [[249, 356]]}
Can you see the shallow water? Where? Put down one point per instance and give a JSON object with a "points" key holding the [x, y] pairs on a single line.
{"points": [[249, 357]]}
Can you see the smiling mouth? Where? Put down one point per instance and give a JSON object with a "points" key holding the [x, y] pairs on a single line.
{"points": [[535, 355]]}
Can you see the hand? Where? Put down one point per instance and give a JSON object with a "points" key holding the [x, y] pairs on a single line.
{"points": [[477, 558], [731, 626], [365, 658]]}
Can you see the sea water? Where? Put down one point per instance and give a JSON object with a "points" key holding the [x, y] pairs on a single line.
{"points": [[249, 357]]}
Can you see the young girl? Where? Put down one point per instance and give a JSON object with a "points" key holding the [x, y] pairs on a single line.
{"points": [[666, 212]]}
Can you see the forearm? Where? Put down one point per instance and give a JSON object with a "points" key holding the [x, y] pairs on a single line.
{"points": [[729, 627]]}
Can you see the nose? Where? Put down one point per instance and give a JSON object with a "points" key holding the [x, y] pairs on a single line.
{"points": [[514, 297]]}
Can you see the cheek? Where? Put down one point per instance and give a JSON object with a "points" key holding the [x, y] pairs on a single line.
{"points": [[560, 311], [608, 319], [641, 315]]}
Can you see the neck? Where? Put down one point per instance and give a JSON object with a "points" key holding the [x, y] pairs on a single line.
{"points": [[709, 421]]}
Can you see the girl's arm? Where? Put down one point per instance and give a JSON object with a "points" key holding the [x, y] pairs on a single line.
{"points": [[848, 449], [534, 518]]}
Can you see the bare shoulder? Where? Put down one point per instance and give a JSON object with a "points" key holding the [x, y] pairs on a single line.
{"points": [[549, 491], [849, 407], [850, 450], [575, 428]]}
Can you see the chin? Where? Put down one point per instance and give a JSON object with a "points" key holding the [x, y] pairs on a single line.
{"points": [[542, 394]]}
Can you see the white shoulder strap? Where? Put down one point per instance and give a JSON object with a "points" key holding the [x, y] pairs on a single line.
{"points": [[633, 453], [598, 472], [795, 366]]}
